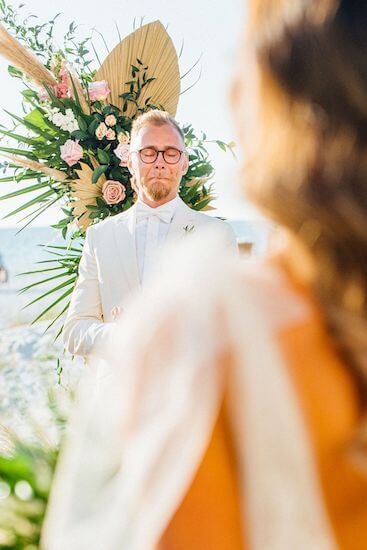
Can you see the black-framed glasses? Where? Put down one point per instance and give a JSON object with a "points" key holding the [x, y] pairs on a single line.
{"points": [[148, 155]]}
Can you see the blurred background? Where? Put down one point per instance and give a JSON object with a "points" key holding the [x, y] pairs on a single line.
{"points": [[207, 32]]}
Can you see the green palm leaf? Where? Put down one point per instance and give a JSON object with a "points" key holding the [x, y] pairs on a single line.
{"points": [[29, 175], [191, 191], [62, 248], [38, 271], [31, 126], [31, 203], [55, 289], [202, 204], [20, 152], [18, 137], [32, 285], [37, 213], [62, 297], [25, 190], [56, 318]]}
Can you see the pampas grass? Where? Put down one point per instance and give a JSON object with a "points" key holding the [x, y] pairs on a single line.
{"points": [[24, 60], [36, 166]]}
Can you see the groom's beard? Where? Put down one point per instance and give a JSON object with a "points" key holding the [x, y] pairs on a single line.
{"points": [[157, 189]]}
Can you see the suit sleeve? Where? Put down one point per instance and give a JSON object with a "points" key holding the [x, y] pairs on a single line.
{"points": [[84, 329]]}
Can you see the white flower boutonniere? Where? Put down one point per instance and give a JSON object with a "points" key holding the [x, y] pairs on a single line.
{"points": [[189, 229]]}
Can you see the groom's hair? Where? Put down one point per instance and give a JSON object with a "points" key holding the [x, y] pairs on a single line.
{"points": [[155, 117]]}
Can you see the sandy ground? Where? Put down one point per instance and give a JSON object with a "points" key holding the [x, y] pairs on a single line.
{"points": [[29, 371]]}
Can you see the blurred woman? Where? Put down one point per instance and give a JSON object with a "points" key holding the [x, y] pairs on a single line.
{"points": [[235, 415]]}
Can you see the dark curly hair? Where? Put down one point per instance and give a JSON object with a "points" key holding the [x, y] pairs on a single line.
{"points": [[305, 134]]}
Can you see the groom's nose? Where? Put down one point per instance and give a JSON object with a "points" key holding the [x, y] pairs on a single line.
{"points": [[159, 162]]}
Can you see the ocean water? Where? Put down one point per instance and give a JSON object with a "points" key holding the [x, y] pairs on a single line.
{"points": [[19, 253]]}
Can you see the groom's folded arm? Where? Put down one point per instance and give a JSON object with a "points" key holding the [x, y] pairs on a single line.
{"points": [[84, 329]]}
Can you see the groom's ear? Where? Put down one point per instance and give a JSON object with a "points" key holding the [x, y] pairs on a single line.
{"points": [[130, 164], [185, 164]]}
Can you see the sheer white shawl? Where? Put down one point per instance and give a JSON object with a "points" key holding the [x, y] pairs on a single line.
{"points": [[135, 444]]}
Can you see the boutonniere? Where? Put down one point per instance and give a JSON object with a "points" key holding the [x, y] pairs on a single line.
{"points": [[189, 229]]}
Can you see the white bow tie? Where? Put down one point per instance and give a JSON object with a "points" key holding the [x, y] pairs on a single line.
{"points": [[143, 212]]}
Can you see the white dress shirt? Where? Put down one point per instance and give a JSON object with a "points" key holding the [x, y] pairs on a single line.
{"points": [[151, 229]]}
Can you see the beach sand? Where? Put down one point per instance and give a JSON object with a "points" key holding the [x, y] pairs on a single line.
{"points": [[29, 371]]}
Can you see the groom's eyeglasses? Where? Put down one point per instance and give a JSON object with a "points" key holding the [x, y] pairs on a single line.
{"points": [[148, 155]]}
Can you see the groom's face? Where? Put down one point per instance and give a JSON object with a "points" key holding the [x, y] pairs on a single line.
{"points": [[158, 181]]}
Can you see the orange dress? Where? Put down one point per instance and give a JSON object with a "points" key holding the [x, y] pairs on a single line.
{"points": [[209, 517]]}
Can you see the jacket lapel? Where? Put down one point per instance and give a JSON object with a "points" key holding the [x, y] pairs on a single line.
{"points": [[184, 217], [124, 237]]}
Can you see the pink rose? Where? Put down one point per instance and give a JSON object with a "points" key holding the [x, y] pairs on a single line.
{"points": [[110, 120], [101, 131], [113, 191], [110, 134], [122, 152], [99, 91], [71, 152]]}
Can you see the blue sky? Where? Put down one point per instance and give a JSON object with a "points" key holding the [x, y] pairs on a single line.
{"points": [[208, 28]]}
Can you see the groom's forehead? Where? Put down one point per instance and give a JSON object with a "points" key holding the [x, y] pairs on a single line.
{"points": [[158, 136]]}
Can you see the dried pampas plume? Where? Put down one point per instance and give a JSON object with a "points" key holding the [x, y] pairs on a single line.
{"points": [[24, 60], [36, 166]]}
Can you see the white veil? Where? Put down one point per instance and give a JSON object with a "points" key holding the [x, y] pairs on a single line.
{"points": [[134, 445]]}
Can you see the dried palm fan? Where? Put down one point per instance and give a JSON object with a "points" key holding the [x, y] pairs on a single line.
{"points": [[85, 193], [153, 46], [36, 166], [24, 60]]}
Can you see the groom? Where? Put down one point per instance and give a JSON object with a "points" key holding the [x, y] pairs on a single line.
{"points": [[119, 253]]}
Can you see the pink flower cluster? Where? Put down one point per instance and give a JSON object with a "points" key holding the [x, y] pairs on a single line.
{"points": [[62, 89]]}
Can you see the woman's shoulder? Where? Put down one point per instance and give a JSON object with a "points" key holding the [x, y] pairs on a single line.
{"points": [[274, 291], [204, 272]]}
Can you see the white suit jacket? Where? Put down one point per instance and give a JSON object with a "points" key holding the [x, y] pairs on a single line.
{"points": [[108, 273]]}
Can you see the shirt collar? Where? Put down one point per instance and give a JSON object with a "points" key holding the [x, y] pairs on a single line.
{"points": [[170, 205]]}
